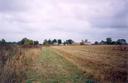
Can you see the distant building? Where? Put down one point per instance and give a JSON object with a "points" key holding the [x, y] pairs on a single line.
{"points": [[55, 43]]}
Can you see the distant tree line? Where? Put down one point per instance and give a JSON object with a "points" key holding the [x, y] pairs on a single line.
{"points": [[85, 42], [57, 42], [109, 41], [24, 41], [4, 42]]}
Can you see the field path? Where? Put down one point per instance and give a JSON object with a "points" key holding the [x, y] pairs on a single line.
{"points": [[53, 68]]}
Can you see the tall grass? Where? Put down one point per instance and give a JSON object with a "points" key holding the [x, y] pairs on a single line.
{"points": [[15, 61]]}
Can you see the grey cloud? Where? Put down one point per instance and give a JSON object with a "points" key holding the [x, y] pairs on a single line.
{"points": [[117, 20], [110, 23], [12, 5], [77, 19]]}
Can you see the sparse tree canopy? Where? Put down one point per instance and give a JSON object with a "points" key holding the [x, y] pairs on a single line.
{"points": [[121, 41], [49, 42], [70, 41], [59, 41], [96, 42], [36, 42], [109, 40], [54, 41], [3, 42], [26, 41], [45, 42]]}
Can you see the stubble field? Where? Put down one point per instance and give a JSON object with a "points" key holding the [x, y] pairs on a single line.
{"points": [[107, 64], [64, 64]]}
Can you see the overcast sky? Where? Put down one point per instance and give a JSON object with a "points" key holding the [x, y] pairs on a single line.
{"points": [[65, 19]]}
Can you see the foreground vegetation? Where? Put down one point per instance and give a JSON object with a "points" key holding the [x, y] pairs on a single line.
{"points": [[30, 64], [15, 61], [63, 64]]}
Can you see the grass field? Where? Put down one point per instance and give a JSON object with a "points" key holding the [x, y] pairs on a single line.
{"points": [[52, 68], [63, 64], [107, 64]]}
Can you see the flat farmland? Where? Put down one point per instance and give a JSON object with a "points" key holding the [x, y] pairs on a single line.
{"points": [[106, 64], [64, 64], [50, 67], [32, 64]]}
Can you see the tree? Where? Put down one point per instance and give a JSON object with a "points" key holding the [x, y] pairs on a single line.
{"points": [[23, 41], [30, 42], [59, 41], [26, 41], [65, 43], [109, 41], [86, 41], [49, 42], [45, 42], [102, 42], [3, 42], [54, 41], [114, 42], [96, 43], [70, 41], [121, 42], [36, 42]]}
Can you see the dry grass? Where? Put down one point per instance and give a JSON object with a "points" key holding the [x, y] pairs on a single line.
{"points": [[52, 68], [107, 64], [15, 62]]}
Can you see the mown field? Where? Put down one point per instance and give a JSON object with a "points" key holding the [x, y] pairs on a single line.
{"points": [[106, 64], [63, 64]]}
